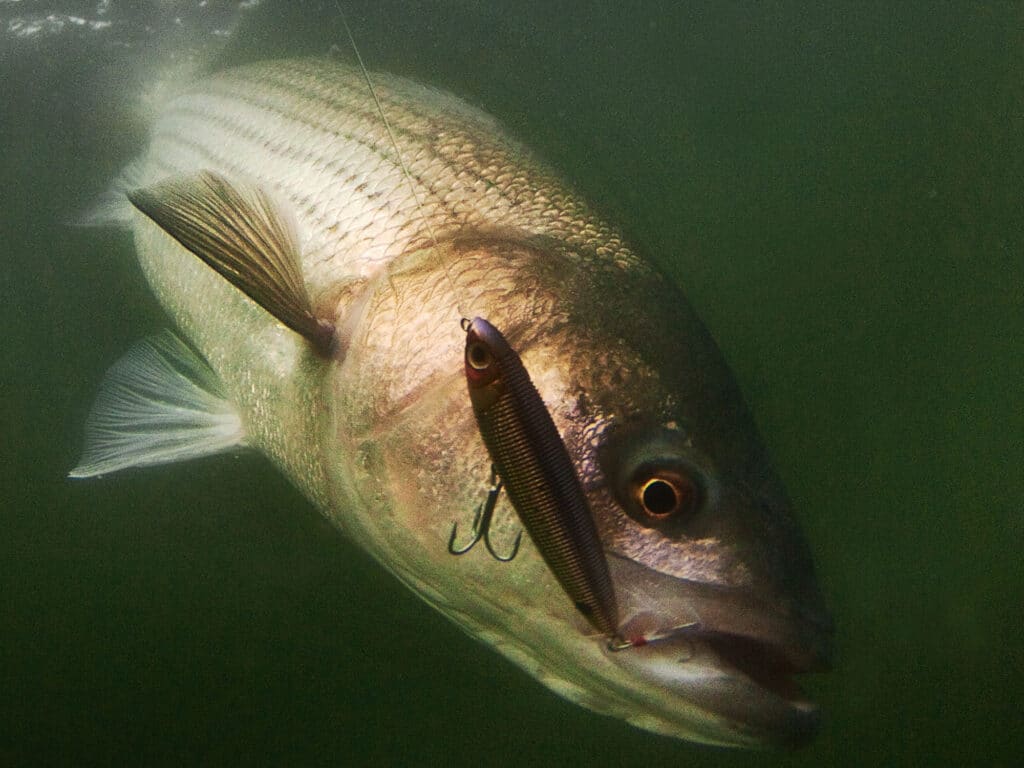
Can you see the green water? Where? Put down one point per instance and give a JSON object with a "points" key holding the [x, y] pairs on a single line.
{"points": [[839, 191]]}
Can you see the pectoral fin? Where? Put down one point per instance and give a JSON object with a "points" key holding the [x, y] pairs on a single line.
{"points": [[158, 404], [239, 231]]}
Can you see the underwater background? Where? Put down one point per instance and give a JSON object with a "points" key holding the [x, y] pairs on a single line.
{"points": [[838, 188]]}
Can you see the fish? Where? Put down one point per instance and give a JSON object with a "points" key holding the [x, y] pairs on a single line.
{"points": [[314, 261]]}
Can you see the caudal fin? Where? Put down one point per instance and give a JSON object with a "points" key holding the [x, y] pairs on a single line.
{"points": [[100, 71], [112, 208]]}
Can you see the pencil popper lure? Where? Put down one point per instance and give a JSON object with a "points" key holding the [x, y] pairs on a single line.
{"points": [[535, 470]]}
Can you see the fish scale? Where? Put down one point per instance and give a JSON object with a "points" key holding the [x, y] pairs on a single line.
{"points": [[319, 143]]}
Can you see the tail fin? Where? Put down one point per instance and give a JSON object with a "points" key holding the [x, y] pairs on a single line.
{"points": [[113, 209], [106, 67]]}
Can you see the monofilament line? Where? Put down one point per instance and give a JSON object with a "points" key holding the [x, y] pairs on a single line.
{"points": [[398, 154]]}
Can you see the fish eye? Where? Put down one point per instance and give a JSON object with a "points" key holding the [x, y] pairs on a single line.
{"points": [[656, 478], [658, 497], [663, 495], [479, 357]]}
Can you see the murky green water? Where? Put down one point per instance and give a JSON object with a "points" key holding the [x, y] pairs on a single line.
{"points": [[838, 189]]}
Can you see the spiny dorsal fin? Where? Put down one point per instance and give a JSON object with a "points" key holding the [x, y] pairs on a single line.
{"points": [[237, 230], [158, 404]]}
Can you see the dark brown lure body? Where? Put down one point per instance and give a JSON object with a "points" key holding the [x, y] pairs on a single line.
{"points": [[538, 475]]}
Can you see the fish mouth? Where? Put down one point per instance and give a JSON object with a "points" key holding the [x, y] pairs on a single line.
{"points": [[744, 686], [765, 665], [730, 669], [772, 706]]}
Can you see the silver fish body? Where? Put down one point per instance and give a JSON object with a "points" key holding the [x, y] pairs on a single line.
{"points": [[381, 437]]}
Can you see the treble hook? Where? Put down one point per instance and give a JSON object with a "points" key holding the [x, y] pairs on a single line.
{"points": [[482, 525]]}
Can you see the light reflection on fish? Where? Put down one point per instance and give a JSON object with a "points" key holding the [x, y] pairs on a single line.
{"points": [[332, 349]]}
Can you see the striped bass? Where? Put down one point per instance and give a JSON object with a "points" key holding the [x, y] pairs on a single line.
{"points": [[319, 325]]}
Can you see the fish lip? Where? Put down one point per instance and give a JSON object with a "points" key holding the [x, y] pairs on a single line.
{"points": [[763, 660], [771, 646], [744, 684], [738, 661], [777, 712]]}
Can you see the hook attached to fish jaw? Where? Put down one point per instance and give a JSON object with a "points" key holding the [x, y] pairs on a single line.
{"points": [[626, 639], [482, 525]]}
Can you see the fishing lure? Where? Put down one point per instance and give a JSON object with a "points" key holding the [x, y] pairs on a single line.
{"points": [[482, 526], [537, 473], [529, 457]]}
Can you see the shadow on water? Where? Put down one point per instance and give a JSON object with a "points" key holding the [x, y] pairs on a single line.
{"points": [[838, 191]]}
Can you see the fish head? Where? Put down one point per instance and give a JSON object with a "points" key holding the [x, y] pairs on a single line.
{"points": [[718, 601]]}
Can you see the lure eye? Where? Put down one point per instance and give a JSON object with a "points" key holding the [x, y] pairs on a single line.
{"points": [[479, 356], [664, 495]]}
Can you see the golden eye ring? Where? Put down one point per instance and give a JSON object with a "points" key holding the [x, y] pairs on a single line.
{"points": [[667, 495], [658, 497]]}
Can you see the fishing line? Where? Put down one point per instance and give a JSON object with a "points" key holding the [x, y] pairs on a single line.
{"points": [[401, 162], [526, 448]]}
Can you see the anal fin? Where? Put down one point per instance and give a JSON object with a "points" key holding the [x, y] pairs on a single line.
{"points": [[158, 404], [238, 230]]}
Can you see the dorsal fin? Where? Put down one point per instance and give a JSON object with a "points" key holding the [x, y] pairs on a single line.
{"points": [[238, 230]]}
